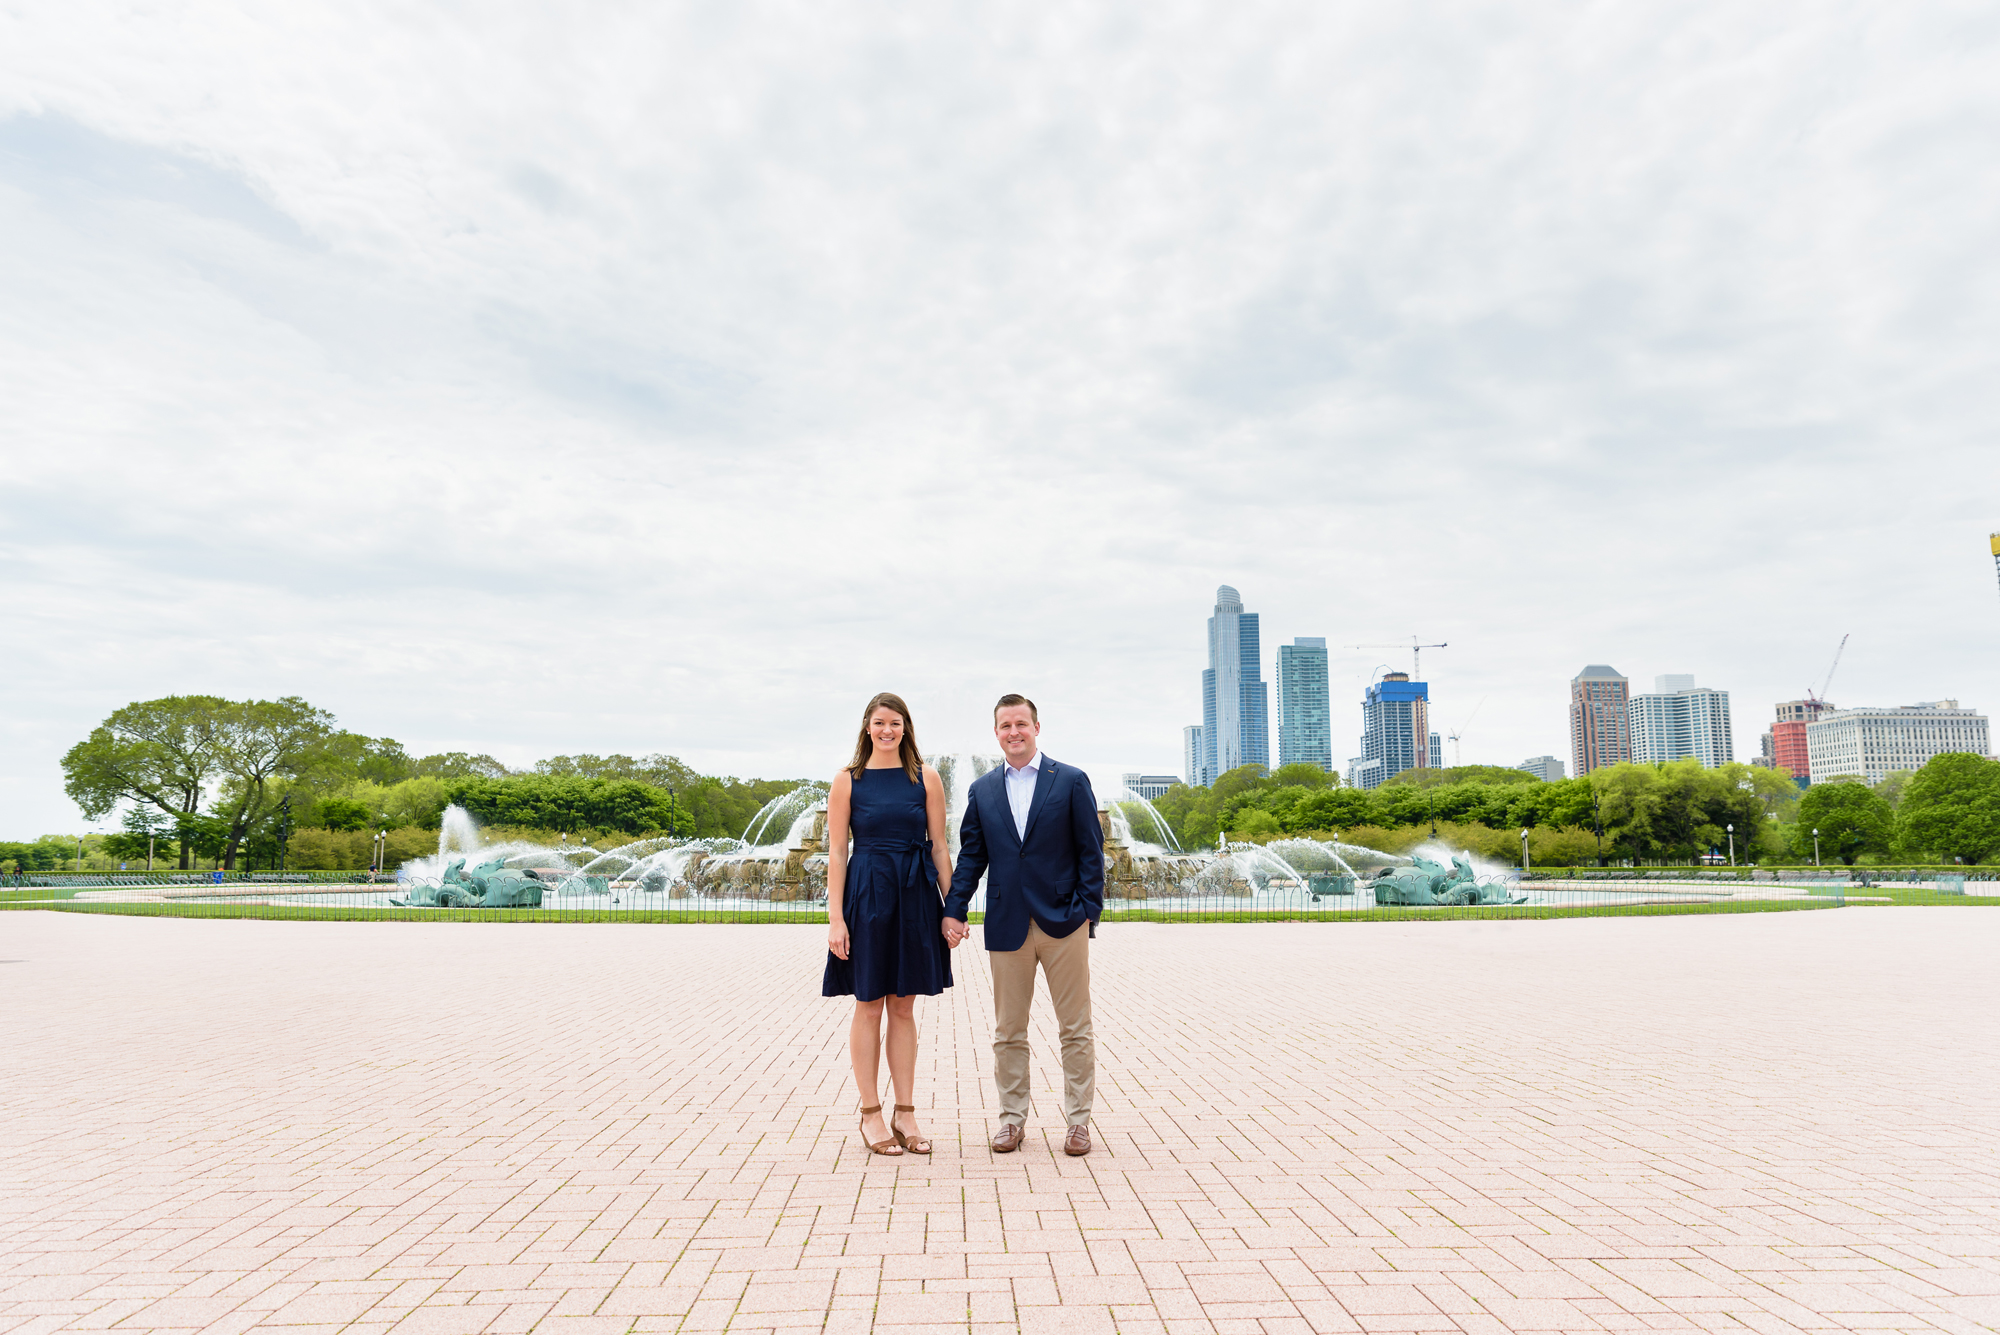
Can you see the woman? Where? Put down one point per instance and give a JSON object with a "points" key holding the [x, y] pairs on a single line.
{"points": [[885, 911]]}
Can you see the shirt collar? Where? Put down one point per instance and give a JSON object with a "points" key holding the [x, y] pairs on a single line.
{"points": [[1034, 763]]}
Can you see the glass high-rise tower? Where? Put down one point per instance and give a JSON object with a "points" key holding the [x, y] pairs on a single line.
{"points": [[1305, 716], [1395, 731], [1235, 712]]}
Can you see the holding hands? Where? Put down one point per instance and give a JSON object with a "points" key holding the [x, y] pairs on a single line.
{"points": [[955, 932]]}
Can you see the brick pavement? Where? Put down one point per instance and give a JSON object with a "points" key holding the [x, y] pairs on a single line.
{"points": [[1765, 1122]]}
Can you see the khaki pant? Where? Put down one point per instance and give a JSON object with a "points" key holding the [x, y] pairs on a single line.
{"points": [[1066, 964]]}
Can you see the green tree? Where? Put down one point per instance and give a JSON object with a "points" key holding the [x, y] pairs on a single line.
{"points": [[1255, 824], [261, 740], [1951, 808], [43, 854], [715, 807], [1427, 777], [1679, 810], [1330, 809], [553, 802], [163, 753], [200, 836], [144, 833], [1892, 786], [459, 765], [1851, 818], [1192, 814], [340, 757], [341, 813]]}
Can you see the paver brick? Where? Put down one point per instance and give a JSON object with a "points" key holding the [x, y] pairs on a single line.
{"points": [[1599, 1124]]}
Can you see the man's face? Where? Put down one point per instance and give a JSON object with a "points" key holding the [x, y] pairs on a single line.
{"points": [[1017, 730]]}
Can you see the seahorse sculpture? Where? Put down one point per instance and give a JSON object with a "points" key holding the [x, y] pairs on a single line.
{"points": [[490, 885], [1427, 883]]}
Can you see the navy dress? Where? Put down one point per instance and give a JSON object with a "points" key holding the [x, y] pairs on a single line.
{"points": [[894, 913]]}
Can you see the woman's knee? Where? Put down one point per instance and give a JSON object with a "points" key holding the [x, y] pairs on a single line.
{"points": [[869, 1010], [902, 1010]]}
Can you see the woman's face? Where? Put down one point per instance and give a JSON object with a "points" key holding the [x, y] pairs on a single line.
{"points": [[885, 725]]}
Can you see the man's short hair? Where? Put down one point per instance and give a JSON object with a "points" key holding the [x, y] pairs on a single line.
{"points": [[1009, 700]]}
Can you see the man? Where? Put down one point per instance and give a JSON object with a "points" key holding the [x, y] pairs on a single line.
{"points": [[1031, 826]]}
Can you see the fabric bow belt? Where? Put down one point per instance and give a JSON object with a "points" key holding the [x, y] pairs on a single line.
{"points": [[903, 847]]}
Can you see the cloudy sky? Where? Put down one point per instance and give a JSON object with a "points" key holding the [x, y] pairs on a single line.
{"points": [[647, 377]]}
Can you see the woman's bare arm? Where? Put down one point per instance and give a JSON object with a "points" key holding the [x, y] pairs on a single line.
{"points": [[934, 813], [838, 802]]}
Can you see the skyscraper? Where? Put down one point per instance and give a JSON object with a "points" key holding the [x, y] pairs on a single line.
{"points": [[1599, 722], [1191, 761], [1395, 730], [1305, 723], [1235, 711], [1680, 720]]}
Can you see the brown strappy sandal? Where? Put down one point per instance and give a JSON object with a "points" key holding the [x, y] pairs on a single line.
{"points": [[887, 1148], [914, 1144]]}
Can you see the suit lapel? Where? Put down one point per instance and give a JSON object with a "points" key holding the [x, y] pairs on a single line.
{"points": [[1044, 781], [1006, 807]]}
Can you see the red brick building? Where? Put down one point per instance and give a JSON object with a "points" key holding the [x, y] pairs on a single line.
{"points": [[1788, 735], [1600, 718]]}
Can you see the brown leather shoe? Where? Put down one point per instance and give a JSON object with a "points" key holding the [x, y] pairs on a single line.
{"points": [[1008, 1138], [1078, 1140]]}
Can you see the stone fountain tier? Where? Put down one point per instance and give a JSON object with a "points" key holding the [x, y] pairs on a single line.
{"points": [[799, 873], [779, 876], [1145, 871], [1132, 871]]}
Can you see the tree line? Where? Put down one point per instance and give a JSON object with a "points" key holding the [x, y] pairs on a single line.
{"points": [[1949, 811], [200, 776]]}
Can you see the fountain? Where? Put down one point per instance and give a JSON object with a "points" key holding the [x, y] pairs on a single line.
{"points": [[790, 866], [782, 858]]}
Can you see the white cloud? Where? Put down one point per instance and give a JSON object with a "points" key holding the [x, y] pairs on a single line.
{"points": [[634, 377]]}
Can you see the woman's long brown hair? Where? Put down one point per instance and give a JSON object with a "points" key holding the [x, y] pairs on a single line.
{"points": [[913, 759]]}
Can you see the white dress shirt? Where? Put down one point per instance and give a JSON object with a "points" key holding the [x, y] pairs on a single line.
{"points": [[1021, 791]]}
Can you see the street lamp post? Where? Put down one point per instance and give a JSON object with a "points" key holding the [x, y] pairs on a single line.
{"points": [[284, 831], [1524, 849], [1732, 845], [1597, 820], [1815, 848], [79, 854]]}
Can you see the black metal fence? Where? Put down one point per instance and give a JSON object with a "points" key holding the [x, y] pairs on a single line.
{"points": [[1556, 892]]}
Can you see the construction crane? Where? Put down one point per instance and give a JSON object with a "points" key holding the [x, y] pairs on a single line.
{"points": [[1815, 702], [1458, 759], [1416, 654]]}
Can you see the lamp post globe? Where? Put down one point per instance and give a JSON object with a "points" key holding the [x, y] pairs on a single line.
{"points": [[1815, 848], [1732, 845]]}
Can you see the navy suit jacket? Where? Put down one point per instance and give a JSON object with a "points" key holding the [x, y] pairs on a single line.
{"points": [[1055, 875]]}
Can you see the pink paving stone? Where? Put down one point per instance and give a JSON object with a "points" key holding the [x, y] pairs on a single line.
{"points": [[1758, 1122]]}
